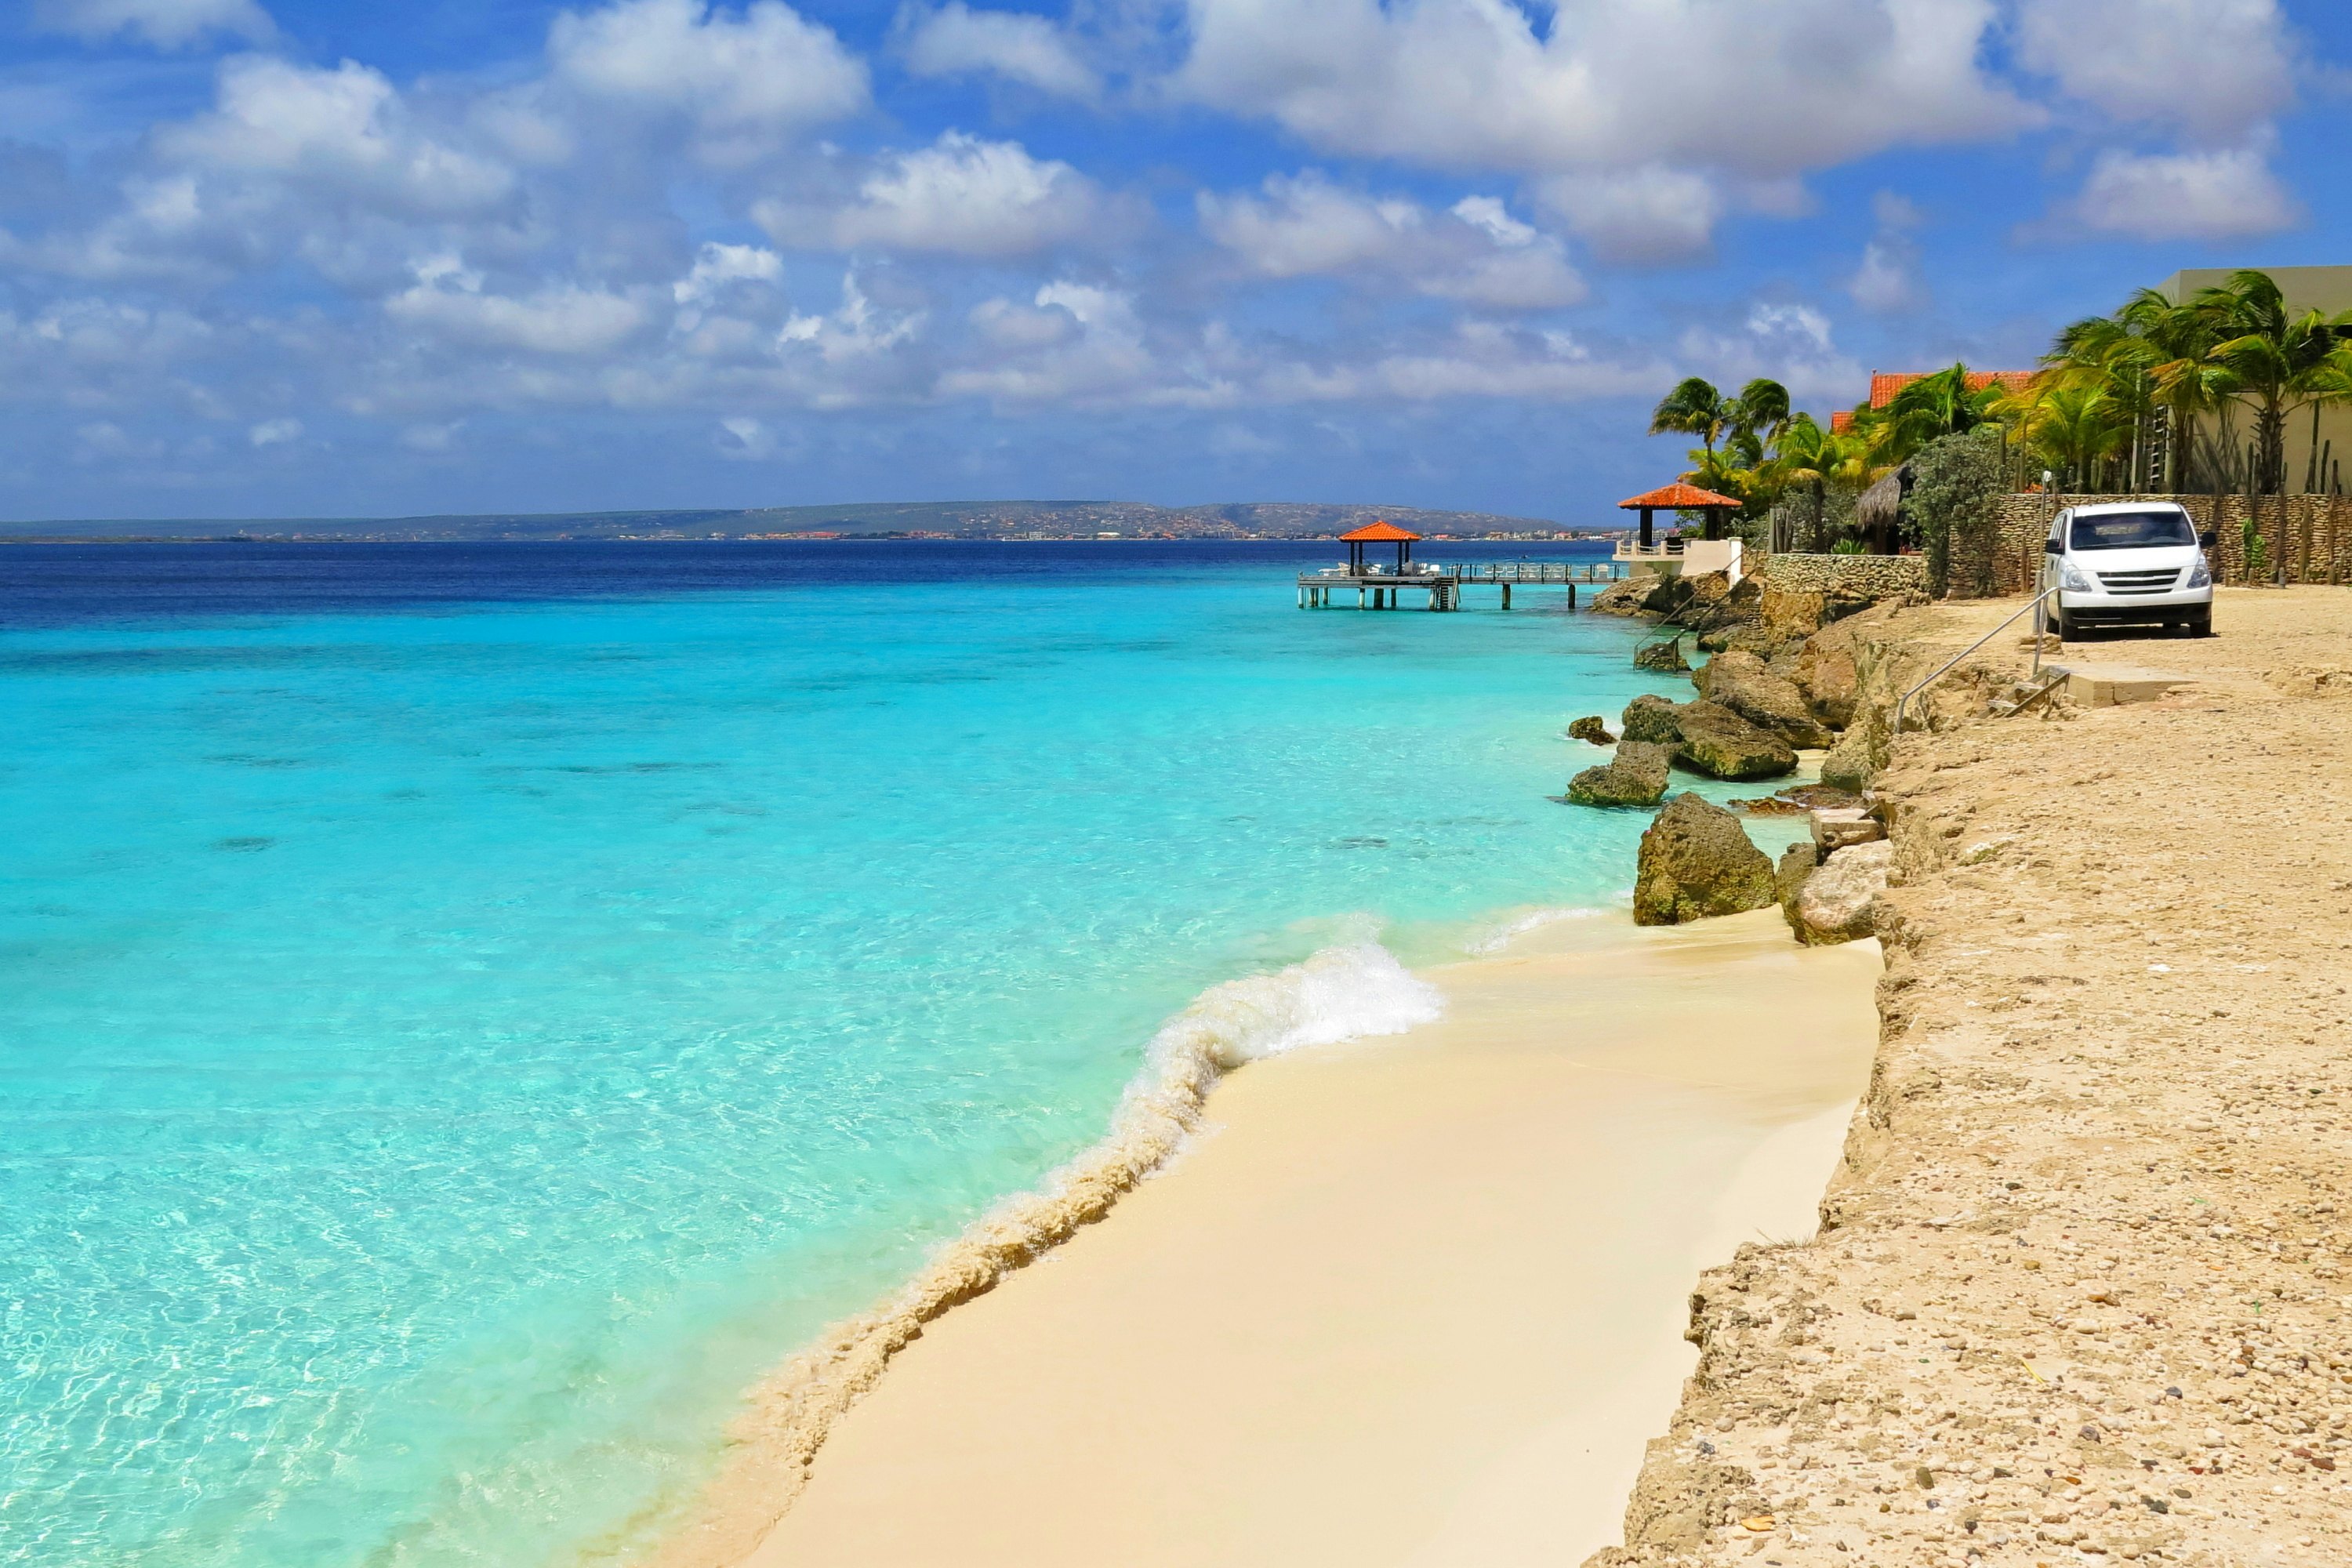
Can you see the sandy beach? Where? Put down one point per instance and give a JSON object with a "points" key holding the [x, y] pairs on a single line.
{"points": [[1412, 1301]]}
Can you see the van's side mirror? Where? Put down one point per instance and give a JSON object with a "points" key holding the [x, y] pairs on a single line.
{"points": [[2052, 547], [2207, 540]]}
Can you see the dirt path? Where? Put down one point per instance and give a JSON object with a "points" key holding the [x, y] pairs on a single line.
{"points": [[2083, 1290]]}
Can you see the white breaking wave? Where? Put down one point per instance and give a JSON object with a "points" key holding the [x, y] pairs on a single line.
{"points": [[1340, 994], [1349, 991], [1502, 935]]}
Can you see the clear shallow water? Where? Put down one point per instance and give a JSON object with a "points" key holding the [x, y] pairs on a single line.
{"points": [[465, 1010]]}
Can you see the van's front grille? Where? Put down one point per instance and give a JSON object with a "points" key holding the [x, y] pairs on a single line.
{"points": [[2140, 581]]}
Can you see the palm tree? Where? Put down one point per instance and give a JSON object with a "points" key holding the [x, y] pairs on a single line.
{"points": [[2268, 358], [1761, 410], [1695, 408], [1818, 458], [2075, 429], [1930, 407]]}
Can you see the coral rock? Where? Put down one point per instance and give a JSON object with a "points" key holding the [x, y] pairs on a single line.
{"points": [[1695, 860]]}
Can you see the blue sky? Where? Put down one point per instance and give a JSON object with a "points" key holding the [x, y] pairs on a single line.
{"points": [[287, 260]]}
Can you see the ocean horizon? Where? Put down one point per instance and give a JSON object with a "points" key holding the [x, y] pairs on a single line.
{"points": [[472, 1008]]}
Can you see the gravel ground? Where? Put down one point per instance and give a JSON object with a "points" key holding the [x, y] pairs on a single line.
{"points": [[2084, 1286]]}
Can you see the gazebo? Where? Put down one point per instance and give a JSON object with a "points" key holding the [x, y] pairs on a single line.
{"points": [[1680, 497], [1380, 532]]}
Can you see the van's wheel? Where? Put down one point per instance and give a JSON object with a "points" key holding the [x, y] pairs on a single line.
{"points": [[2201, 625], [2067, 627]]}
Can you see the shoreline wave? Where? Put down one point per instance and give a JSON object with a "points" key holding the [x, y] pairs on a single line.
{"points": [[1350, 991]]}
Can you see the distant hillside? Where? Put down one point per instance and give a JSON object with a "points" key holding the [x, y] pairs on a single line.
{"points": [[957, 520]]}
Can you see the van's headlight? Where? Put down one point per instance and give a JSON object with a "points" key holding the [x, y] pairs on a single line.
{"points": [[2199, 575], [2073, 577]]}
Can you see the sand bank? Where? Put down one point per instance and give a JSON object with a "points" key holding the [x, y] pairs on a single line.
{"points": [[1413, 1301]]}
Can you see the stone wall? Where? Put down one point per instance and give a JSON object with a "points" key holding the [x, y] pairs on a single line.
{"points": [[2311, 535], [1848, 576]]}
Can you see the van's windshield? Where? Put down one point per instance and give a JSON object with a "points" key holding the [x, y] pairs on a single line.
{"points": [[2131, 531]]}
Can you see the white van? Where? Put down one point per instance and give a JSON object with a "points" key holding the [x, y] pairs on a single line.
{"points": [[2126, 562]]}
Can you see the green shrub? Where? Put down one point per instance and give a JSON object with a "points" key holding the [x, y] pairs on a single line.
{"points": [[2257, 548], [1956, 482]]}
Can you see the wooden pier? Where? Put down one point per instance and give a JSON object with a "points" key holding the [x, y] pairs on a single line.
{"points": [[1381, 587], [1440, 586]]}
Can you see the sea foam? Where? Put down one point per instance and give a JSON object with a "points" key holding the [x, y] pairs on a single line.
{"points": [[1501, 936], [1351, 991]]}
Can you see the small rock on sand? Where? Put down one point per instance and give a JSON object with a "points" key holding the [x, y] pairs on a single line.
{"points": [[1835, 903], [1697, 860]]}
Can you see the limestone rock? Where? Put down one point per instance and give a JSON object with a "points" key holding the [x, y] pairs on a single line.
{"points": [[1695, 860], [1797, 863], [1721, 744], [1738, 605], [1593, 727], [1654, 719], [1828, 674], [1842, 827], [1766, 806], [1857, 757], [1745, 684], [1623, 598], [1635, 776], [1819, 797], [1834, 904], [1663, 656]]}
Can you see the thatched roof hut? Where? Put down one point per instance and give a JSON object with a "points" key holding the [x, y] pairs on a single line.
{"points": [[1882, 504]]}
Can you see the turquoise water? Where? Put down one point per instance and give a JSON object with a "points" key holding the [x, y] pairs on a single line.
{"points": [[463, 1016]]}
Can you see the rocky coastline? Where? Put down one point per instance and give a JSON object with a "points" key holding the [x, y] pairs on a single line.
{"points": [[1787, 673], [2079, 1292]]}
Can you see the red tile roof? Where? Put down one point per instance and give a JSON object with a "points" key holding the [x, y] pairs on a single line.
{"points": [[1885, 384], [1377, 533], [1678, 497]]}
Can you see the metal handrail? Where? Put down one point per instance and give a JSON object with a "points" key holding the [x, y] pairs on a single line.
{"points": [[1904, 701]]}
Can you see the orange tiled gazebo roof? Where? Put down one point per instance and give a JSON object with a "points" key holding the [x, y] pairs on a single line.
{"points": [[1384, 533], [1678, 497]]}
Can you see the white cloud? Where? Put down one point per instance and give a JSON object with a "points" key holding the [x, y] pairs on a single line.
{"points": [[1633, 105], [956, 40], [2215, 68], [2181, 195], [448, 301], [857, 330], [1649, 214], [1792, 344], [165, 24], [1305, 225], [749, 83], [961, 195], [741, 438], [344, 130], [1101, 357], [1888, 282], [275, 432], [1476, 360]]}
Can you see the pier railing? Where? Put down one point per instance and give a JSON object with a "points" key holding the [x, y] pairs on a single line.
{"points": [[1532, 570]]}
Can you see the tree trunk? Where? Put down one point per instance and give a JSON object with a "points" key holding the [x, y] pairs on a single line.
{"points": [[2271, 431]]}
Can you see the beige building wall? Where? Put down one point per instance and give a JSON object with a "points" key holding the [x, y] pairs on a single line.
{"points": [[2327, 290]]}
